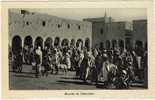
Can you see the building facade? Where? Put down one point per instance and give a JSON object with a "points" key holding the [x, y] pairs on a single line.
{"points": [[33, 29], [107, 33]]}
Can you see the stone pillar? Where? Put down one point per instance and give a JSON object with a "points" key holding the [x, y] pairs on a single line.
{"points": [[83, 45], [84, 40], [44, 39], [32, 42], [22, 38], [117, 43], [110, 44], [34, 39], [60, 40], [69, 42]]}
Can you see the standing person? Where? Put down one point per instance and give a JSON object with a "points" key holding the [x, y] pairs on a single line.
{"points": [[80, 64], [139, 54], [31, 55], [135, 64], [20, 62], [112, 73], [104, 71], [73, 59], [76, 59], [38, 59], [24, 54], [129, 64], [92, 68], [116, 56], [17, 62], [98, 64], [68, 62], [33, 59], [44, 54], [84, 67], [56, 60], [47, 63]]}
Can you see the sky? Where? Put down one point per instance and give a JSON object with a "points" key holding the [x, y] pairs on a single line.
{"points": [[118, 14]]}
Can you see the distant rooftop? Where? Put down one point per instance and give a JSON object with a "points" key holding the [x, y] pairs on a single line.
{"points": [[100, 19]]}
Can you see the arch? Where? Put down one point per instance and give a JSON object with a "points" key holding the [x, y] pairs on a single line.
{"points": [[65, 42], [57, 41], [128, 43], [16, 44], [28, 44], [114, 43], [107, 45], [28, 41], [39, 42], [121, 43], [139, 44], [101, 45], [48, 42], [139, 48], [87, 43], [79, 43], [72, 43]]}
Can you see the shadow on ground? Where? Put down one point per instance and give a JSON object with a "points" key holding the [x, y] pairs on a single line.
{"points": [[25, 76], [73, 78], [23, 72], [75, 82]]}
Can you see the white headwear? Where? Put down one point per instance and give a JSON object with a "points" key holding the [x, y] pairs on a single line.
{"points": [[39, 47], [124, 72]]}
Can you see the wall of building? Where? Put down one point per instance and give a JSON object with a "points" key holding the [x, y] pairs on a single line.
{"points": [[140, 31], [44, 25], [102, 31], [97, 30], [108, 31]]}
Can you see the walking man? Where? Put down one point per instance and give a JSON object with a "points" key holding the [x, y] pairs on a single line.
{"points": [[38, 59]]}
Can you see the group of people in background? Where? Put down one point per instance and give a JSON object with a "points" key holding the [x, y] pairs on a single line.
{"points": [[116, 67]]}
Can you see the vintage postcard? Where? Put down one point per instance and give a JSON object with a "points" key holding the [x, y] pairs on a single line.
{"points": [[77, 49]]}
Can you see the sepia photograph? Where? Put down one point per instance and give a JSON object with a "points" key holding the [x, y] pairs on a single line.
{"points": [[77, 48]]}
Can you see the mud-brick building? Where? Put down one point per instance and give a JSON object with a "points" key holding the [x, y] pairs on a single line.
{"points": [[109, 33], [139, 34], [33, 29]]}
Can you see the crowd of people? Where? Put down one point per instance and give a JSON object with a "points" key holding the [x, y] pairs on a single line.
{"points": [[114, 66]]}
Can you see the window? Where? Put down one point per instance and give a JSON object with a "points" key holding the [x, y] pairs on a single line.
{"points": [[114, 43], [59, 25], [43, 23], [27, 23], [101, 31], [107, 44], [68, 26], [121, 43], [79, 27]]}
